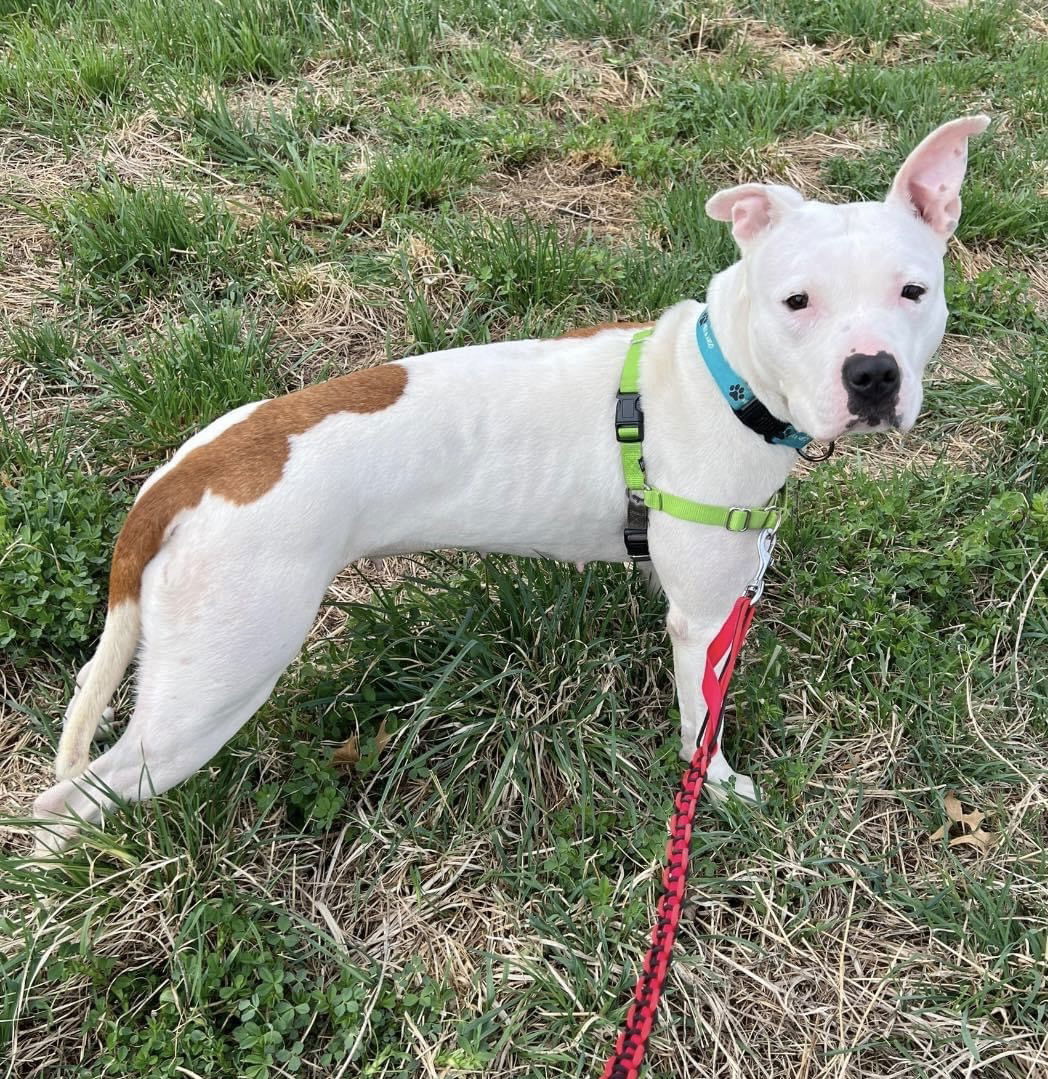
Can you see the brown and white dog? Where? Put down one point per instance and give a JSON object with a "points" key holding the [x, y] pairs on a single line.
{"points": [[225, 557]]}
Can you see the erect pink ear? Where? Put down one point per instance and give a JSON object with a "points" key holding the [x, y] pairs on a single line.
{"points": [[751, 208], [930, 178]]}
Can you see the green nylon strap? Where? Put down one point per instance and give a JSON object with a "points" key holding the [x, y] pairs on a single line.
{"points": [[733, 518], [630, 383]]}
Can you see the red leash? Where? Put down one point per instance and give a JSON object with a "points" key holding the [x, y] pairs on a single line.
{"points": [[625, 1062]]}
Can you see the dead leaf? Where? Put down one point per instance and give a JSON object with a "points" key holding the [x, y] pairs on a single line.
{"points": [[349, 752], [983, 841], [973, 836]]}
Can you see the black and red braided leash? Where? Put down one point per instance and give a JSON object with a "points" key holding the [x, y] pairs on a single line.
{"points": [[625, 1062]]}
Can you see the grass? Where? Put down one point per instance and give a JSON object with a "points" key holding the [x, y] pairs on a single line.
{"points": [[204, 204]]}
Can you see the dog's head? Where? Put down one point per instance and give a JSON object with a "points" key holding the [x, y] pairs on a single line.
{"points": [[846, 303]]}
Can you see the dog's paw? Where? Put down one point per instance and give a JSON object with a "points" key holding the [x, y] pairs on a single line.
{"points": [[105, 724], [50, 837], [741, 786]]}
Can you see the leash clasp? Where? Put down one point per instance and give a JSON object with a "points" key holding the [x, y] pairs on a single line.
{"points": [[765, 549]]}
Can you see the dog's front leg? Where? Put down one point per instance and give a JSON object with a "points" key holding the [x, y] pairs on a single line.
{"points": [[691, 637]]}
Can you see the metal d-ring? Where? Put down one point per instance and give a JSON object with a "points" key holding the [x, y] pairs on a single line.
{"points": [[815, 460]]}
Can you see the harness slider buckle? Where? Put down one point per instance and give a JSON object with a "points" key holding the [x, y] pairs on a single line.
{"points": [[629, 418]]}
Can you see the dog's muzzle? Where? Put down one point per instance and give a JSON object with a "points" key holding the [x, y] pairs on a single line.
{"points": [[873, 384]]}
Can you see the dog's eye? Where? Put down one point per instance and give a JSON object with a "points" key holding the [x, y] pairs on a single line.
{"points": [[798, 301], [913, 292]]}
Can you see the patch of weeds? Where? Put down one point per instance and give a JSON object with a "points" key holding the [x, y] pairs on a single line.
{"points": [[1023, 391], [637, 145], [245, 141], [55, 85], [430, 331], [496, 77], [610, 20], [257, 140], [58, 523], [236, 39], [985, 27], [157, 394], [999, 916], [251, 987], [121, 244], [281, 148], [421, 178], [312, 186], [727, 115], [992, 301], [400, 652], [1017, 217], [45, 347], [650, 279], [679, 220], [406, 31], [910, 608], [513, 139], [514, 266], [864, 21]]}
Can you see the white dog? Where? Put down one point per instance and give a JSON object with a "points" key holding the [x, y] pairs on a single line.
{"points": [[824, 326]]}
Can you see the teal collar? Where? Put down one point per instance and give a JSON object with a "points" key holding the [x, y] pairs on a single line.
{"points": [[740, 397]]}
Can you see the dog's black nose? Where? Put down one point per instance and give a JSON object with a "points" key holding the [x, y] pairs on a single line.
{"points": [[871, 380]]}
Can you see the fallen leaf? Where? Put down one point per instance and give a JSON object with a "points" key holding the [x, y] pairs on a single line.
{"points": [[349, 752], [974, 836], [983, 841]]}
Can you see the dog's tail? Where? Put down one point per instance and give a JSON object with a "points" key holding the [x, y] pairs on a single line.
{"points": [[139, 540], [115, 651]]}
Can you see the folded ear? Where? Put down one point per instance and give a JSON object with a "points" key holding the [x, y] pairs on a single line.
{"points": [[752, 208], [930, 178]]}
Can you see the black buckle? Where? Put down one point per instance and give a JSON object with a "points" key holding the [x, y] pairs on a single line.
{"points": [[629, 418], [636, 540], [635, 534], [755, 415]]}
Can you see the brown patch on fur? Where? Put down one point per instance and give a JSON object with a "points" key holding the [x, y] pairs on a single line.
{"points": [[241, 464], [589, 331]]}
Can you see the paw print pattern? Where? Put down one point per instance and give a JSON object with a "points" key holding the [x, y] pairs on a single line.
{"points": [[737, 392]]}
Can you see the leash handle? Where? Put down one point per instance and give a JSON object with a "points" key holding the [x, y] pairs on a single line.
{"points": [[625, 1062]]}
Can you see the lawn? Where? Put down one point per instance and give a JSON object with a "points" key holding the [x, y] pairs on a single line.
{"points": [[204, 203]]}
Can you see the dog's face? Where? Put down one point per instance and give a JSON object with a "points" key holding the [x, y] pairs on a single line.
{"points": [[846, 303]]}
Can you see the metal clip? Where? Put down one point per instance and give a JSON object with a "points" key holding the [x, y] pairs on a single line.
{"points": [[765, 548]]}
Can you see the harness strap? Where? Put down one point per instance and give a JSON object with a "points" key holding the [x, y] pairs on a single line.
{"points": [[629, 430]]}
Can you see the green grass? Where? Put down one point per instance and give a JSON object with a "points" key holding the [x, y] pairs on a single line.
{"points": [[301, 188]]}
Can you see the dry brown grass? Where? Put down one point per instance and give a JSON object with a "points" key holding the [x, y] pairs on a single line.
{"points": [[579, 194], [798, 160]]}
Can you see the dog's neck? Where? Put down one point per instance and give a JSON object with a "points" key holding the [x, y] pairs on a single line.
{"points": [[729, 308]]}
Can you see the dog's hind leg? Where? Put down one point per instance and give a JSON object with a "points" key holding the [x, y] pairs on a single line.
{"points": [[205, 668]]}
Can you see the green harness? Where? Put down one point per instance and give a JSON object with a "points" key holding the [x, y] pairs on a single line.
{"points": [[629, 430]]}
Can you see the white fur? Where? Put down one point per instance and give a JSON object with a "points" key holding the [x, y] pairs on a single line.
{"points": [[510, 447]]}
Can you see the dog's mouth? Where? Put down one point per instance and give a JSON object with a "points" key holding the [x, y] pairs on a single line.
{"points": [[874, 424]]}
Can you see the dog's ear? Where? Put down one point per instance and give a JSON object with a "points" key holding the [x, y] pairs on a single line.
{"points": [[751, 208], [929, 181]]}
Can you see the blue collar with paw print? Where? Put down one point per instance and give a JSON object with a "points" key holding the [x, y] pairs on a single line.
{"points": [[737, 393]]}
